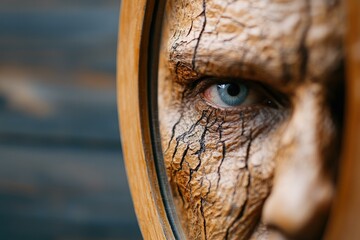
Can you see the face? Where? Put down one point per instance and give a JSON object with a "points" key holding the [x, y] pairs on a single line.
{"points": [[250, 99]]}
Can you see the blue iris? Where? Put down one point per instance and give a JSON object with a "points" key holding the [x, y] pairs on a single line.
{"points": [[232, 94]]}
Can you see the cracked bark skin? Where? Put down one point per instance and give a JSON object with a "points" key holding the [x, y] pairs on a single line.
{"points": [[252, 171]]}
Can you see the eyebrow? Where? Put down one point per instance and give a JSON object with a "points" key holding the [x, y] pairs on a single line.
{"points": [[223, 63]]}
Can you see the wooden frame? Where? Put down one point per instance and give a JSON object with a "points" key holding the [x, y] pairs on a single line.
{"points": [[133, 73], [137, 57], [133, 114], [345, 218]]}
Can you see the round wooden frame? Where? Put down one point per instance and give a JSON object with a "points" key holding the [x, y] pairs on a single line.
{"points": [[138, 43]]}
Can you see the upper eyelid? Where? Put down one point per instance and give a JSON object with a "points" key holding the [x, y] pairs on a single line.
{"points": [[202, 83], [259, 73]]}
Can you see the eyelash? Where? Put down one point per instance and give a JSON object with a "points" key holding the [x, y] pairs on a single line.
{"points": [[271, 99]]}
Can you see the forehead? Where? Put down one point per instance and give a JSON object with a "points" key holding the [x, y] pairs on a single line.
{"points": [[275, 40]]}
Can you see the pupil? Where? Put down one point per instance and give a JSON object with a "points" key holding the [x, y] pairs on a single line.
{"points": [[233, 89]]}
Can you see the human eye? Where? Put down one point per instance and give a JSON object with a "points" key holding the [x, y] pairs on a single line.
{"points": [[234, 94]]}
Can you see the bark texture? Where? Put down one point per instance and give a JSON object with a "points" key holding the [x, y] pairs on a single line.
{"points": [[224, 164]]}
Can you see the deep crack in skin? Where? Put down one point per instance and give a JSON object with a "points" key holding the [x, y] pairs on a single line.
{"points": [[224, 165]]}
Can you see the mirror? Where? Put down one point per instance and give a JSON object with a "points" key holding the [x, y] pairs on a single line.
{"points": [[250, 111], [236, 131]]}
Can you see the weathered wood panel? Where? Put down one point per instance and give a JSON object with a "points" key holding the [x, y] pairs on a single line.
{"points": [[61, 169], [64, 193]]}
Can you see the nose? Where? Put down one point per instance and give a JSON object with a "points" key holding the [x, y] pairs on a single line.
{"points": [[299, 203], [302, 189]]}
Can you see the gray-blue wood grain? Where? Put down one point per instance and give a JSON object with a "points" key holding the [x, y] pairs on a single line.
{"points": [[61, 169]]}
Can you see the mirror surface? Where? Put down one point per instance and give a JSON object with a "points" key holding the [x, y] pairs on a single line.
{"points": [[250, 98]]}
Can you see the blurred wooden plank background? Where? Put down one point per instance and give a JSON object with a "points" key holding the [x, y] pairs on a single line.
{"points": [[61, 171]]}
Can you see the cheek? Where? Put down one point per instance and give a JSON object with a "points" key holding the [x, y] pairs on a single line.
{"points": [[219, 168]]}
